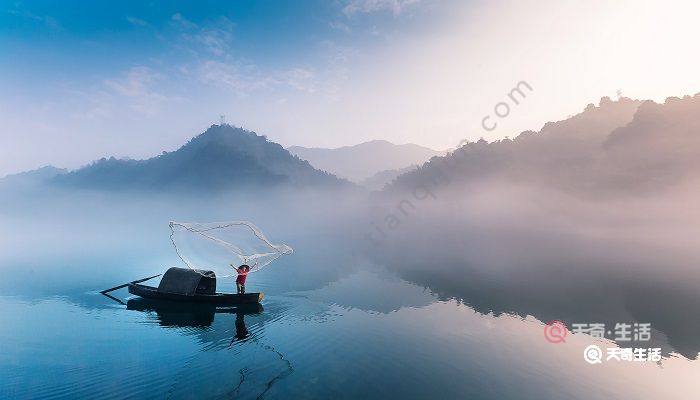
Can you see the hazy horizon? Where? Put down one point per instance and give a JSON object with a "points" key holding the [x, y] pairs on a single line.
{"points": [[131, 80], [341, 147]]}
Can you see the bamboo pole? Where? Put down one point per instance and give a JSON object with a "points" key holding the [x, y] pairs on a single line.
{"points": [[127, 284]]}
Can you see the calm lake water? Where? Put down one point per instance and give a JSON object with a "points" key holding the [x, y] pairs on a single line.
{"points": [[332, 325], [366, 335]]}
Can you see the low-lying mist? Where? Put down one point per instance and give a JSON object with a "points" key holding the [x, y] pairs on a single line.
{"points": [[531, 250], [592, 219], [89, 239], [558, 225], [499, 247]]}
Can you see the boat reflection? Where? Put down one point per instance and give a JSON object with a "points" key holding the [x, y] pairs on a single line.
{"points": [[190, 315], [257, 362]]}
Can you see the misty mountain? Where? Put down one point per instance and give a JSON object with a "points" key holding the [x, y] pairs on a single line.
{"points": [[600, 150], [36, 175], [598, 211], [382, 178], [222, 158], [33, 177], [363, 160]]}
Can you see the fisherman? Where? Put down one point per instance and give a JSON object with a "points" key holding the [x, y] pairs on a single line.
{"points": [[240, 279]]}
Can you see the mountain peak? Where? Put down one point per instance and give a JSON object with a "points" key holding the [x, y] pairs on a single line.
{"points": [[225, 135], [221, 158], [361, 161]]}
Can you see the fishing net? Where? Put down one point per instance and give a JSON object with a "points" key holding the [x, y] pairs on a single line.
{"points": [[217, 246]]}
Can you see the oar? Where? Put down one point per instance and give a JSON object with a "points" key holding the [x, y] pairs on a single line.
{"points": [[114, 298], [127, 284]]}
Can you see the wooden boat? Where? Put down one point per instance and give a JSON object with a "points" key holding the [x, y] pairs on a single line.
{"points": [[151, 292], [196, 286]]}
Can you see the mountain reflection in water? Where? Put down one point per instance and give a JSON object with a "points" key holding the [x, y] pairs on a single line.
{"points": [[369, 334]]}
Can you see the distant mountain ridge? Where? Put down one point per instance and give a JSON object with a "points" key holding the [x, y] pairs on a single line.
{"points": [[623, 147], [222, 158], [32, 177], [383, 178], [364, 160]]}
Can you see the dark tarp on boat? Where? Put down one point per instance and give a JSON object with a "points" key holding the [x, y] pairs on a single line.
{"points": [[188, 281]]}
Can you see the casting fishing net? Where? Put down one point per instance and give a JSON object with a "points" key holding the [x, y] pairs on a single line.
{"points": [[215, 246]]}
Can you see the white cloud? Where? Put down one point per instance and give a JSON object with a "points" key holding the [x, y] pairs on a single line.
{"points": [[215, 41], [370, 6], [214, 37], [136, 21], [211, 42], [340, 26], [301, 79], [91, 106], [247, 78], [230, 75], [47, 20], [137, 85], [182, 22]]}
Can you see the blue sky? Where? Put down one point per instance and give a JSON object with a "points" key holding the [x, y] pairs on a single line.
{"points": [[131, 77], [79, 43], [80, 80], [99, 37]]}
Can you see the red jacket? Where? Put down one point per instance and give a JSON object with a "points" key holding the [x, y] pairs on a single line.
{"points": [[241, 277]]}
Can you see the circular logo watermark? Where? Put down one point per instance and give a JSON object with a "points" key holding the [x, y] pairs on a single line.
{"points": [[593, 354], [555, 332]]}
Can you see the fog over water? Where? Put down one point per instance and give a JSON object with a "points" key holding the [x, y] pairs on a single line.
{"points": [[558, 224], [457, 275], [50, 228], [498, 247]]}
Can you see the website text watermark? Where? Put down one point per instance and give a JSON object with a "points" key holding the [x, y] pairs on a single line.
{"points": [[441, 174]]}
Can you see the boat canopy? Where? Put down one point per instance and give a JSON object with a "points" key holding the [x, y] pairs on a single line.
{"points": [[188, 281]]}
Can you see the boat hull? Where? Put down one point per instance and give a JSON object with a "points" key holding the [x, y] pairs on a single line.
{"points": [[150, 292]]}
